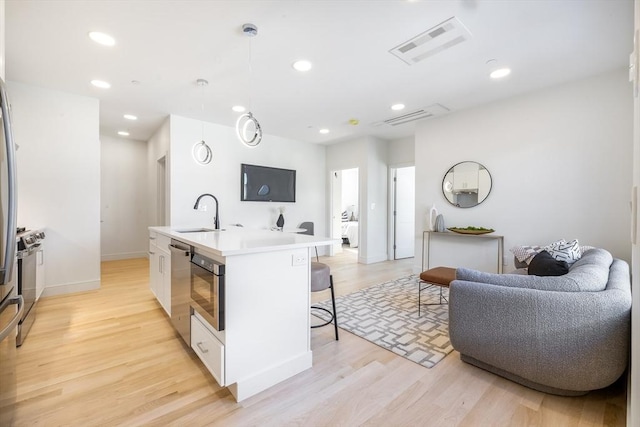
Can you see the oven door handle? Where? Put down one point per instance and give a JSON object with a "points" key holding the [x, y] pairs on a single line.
{"points": [[16, 319]]}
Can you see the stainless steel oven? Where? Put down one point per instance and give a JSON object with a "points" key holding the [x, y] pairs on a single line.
{"points": [[207, 289], [29, 243]]}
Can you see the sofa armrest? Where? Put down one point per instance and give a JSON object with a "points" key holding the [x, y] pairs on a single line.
{"points": [[567, 340]]}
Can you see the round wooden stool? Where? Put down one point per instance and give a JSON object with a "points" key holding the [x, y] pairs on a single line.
{"points": [[437, 276]]}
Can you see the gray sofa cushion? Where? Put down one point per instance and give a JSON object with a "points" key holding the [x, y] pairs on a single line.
{"points": [[589, 274]]}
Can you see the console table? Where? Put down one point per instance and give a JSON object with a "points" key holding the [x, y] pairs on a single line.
{"points": [[426, 243]]}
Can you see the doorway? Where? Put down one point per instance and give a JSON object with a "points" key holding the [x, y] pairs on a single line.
{"points": [[404, 180], [345, 212]]}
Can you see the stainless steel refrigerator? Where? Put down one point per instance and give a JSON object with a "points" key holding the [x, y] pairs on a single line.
{"points": [[11, 304]]}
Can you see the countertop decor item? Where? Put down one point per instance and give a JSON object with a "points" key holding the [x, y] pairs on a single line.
{"points": [[471, 230], [439, 224], [280, 221]]}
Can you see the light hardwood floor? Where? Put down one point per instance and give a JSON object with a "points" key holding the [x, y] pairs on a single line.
{"points": [[110, 357]]}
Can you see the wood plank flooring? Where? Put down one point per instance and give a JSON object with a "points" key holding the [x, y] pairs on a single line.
{"points": [[110, 357]]}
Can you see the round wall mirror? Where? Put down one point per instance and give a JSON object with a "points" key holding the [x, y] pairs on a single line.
{"points": [[466, 184]]}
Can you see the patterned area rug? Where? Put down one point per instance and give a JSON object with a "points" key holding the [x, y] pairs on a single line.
{"points": [[387, 315]]}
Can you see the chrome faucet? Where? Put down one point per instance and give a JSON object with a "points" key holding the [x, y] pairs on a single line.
{"points": [[216, 219]]}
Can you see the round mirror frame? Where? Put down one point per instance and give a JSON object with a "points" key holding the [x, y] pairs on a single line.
{"points": [[448, 187]]}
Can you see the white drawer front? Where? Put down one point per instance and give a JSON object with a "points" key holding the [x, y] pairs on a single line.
{"points": [[163, 242], [208, 349]]}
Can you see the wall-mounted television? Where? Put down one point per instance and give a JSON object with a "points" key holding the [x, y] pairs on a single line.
{"points": [[265, 184]]}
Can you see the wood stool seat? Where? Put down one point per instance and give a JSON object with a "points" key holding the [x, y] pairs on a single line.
{"points": [[437, 276]]}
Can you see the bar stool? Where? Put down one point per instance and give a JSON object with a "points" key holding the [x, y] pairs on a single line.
{"points": [[308, 226], [322, 279], [437, 276]]}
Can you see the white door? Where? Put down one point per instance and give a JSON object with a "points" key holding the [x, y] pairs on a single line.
{"points": [[404, 212]]}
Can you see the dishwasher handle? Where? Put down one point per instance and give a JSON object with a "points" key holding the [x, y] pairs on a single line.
{"points": [[175, 249]]}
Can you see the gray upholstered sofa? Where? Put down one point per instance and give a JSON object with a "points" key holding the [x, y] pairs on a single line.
{"points": [[564, 335]]}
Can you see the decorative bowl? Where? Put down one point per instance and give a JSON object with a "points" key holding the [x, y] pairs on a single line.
{"points": [[471, 230]]}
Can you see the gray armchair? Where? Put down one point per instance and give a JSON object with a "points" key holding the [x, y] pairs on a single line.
{"points": [[566, 341]]}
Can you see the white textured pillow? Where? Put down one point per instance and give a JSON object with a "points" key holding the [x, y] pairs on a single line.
{"points": [[565, 251], [525, 253]]}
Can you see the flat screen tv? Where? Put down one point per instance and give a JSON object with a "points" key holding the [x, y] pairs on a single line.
{"points": [[265, 184]]}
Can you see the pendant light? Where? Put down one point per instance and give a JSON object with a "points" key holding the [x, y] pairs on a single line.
{"points": [[248, 128], [201, 152]]}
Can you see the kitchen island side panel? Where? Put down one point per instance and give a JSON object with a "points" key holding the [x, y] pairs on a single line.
{"points": [[267, 299]]}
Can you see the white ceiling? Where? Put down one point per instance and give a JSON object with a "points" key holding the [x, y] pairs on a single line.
{"points": [[167, 45]]}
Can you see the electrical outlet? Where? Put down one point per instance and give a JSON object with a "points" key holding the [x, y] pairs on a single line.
{"points": [[299, 260], [505, 260]]}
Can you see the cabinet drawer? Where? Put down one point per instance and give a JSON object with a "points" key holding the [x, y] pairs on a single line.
{"points": [[208, 349], [163, 242]]}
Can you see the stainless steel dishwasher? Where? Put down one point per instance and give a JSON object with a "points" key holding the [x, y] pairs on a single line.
{"points": [[181, 289]]}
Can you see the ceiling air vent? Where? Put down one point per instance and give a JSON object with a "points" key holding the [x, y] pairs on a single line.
{"points": [[441, 37], [423, 113]]}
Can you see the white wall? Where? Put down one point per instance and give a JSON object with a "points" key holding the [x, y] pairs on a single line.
{"points": [[2, 39], [369, 155], [560, 160], [402, 152], [222, 178], [123, 198], [59, 181], [157, 148]]}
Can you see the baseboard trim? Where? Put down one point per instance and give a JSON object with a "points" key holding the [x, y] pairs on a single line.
{"points": [[70, 288], [126, 255], [372, 260], [248, 387]]}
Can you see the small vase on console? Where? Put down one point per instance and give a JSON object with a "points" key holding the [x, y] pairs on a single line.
{"points": [[280, 221]]}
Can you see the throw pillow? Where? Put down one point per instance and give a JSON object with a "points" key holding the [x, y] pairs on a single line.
{"points": [[565, 251], [525, 253], [544, 264]]}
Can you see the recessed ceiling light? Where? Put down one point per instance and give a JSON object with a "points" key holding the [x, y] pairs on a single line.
{"points": [[102, 38], [499, 73], [302, 65], [397, 107], [101, 84], [238, 108], [123, 133], [130, 117], [324, 131]]}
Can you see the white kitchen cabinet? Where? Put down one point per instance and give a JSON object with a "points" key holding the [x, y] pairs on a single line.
{"points": [[160, 270], [209, 349], [40, 270], [465, 177]]}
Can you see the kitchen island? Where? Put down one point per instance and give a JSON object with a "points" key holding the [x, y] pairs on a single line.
{"points": [[266, 336]]}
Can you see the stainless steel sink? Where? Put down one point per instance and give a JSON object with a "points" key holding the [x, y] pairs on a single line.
{"points": [[197, 230]]}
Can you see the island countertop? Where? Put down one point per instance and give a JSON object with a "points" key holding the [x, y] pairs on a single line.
{"points": [[239, 241]]}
